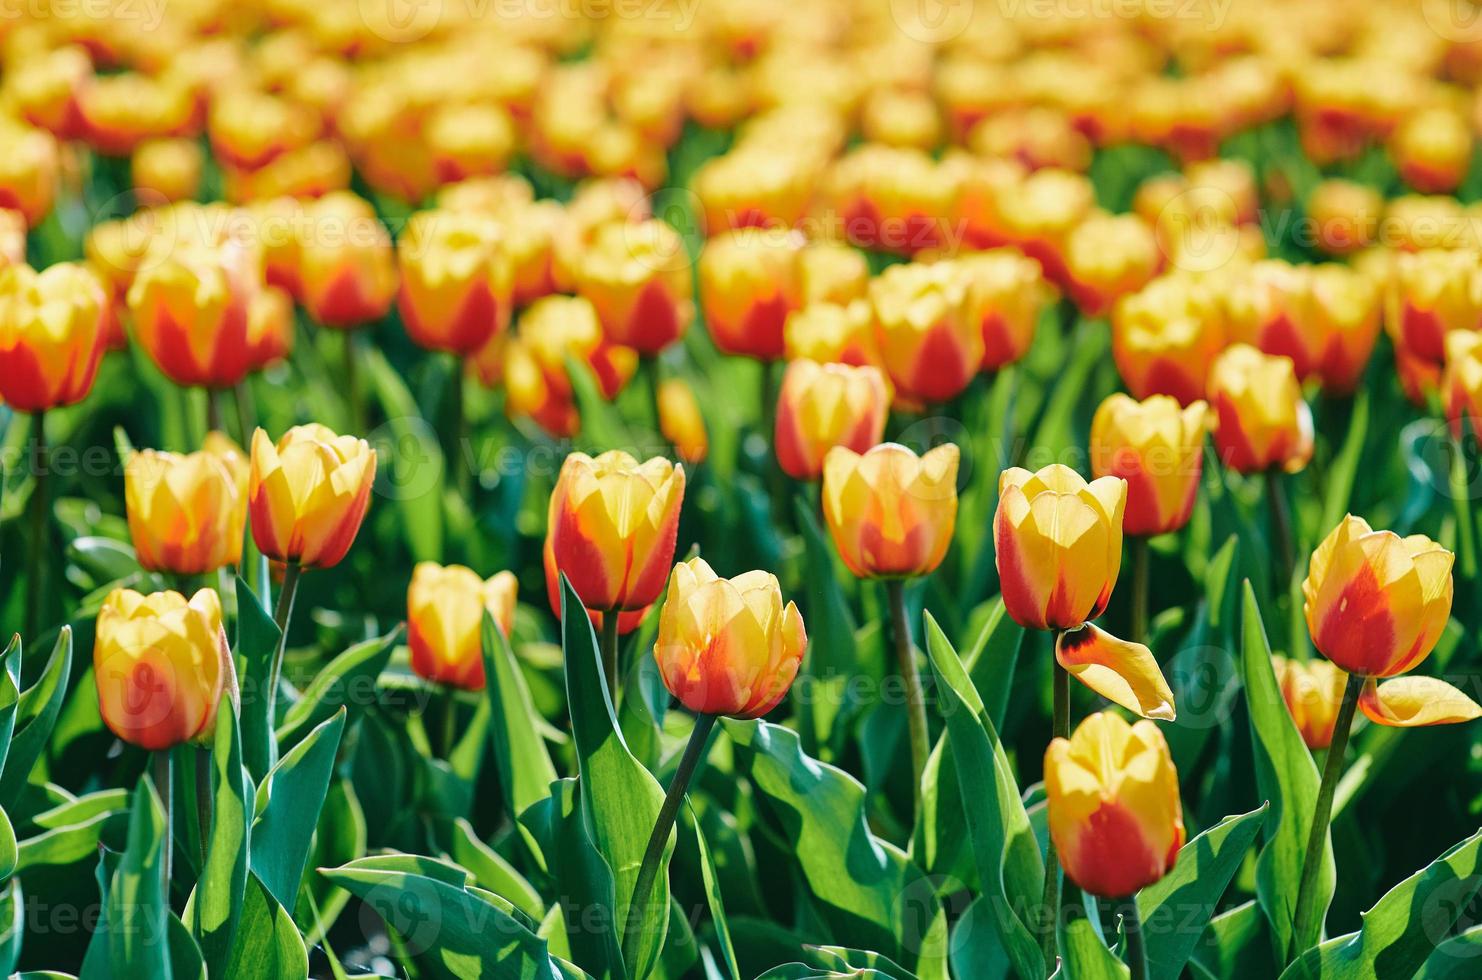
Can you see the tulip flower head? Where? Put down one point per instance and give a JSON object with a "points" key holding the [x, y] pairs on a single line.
{"points": [[1158, 448], [445, 615], [190, 305], [1165, 337], [891, 512], [28, 170], [456, 280], [728, 646], [680, 420], [1261, 418], [1461, 384], [187, 513], [1013, 291], [167, 170], [161, 664], [308, 493], [749, 283], [821, 406], [1432, 293], [1107, 257], [1113, 802], [613, 523], [929, 327], [637, 277], [833, 333], [52, 335], [1313, 692], [345, 262]]}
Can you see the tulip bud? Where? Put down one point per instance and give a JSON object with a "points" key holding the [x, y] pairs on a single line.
{"points": [[891, 513], [752, 187], [1158, 448], [44, 88], [189, 303], [613, 525], [270, 327], [832, 334], [628, 620], [445, 615], [831, 272], [1313, 692], [749, 283], [1432, 149], [52, 335], [28, 170], [455, 281], [680, 420], [167, 170], [1114, 811], [121, 111], [1344, 215], [821, 406], [346, 265], [1261, 419], [530, 234], [187, 513], [308, 494], [250, 129], [1013, 292], [1165, 337], [727, 646], [637, 277], [467, 140], [161, 665], [1432, 293], [928, 323], [1108, 256]]}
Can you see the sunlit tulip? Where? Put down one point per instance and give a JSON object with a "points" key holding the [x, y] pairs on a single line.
{"points": [[904, 119], [821, 406], [1312, 690], [1106, 257], [681, 421], [832, 272], [1113, 803], [530, 234], [1344, 215], [1165, 337], [891, 512], [270, 327], [52, 335], [311, 171], [1039, 213], [249, 129], [345, 262], [28, 170], [469, 140], [628, 620], [166, 170], [445, 613], [756, 188], [613, 525], [1157, 446], [13, 238], [1432, 149], [832, 333], [1461, 384], [456, 281], [596, 204], [1038, 136], [1261, 419], [308, 493], [928, 324], [121, 111], [727, 646], [44, 88], [187, 513], [161, 665], [637, 277], [189, 304], [749, 283], [1012, 290], [1431, 294], [891, 199]]}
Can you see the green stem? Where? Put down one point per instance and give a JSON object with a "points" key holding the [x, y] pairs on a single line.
{"points": [[649, 869], [1281, 527], [203, 798], [40, 526], [458, 456], [610, 652], [650, 366], [1137, 957], [242, 395], [282, 615], [213, 410], [1051, 903], [1138, 545], [1308, 920], [915, 704], [353, 394], [163, 783], [450, 724]]}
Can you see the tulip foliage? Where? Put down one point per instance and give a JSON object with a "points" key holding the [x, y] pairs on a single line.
{"points": [[753, 492]]}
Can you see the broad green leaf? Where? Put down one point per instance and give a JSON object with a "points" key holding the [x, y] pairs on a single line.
{"points": [[1340, 474], [1287, 778], [340, 684], [1176, 909], [35, 714], [287, 808], [645, 702], [1237, 943], [339, 838], [712, 893], [12, 925], [1083, 954], [841, 959], [1010, 867], [135, 905], [1458, 958], [10, 694], [9, 853], [268, 944], [620, 799], [411, 461], [1400, 932], [833, 659], [492, 872], [520, 758], [977, 951], [255, 646], [216, 904]]}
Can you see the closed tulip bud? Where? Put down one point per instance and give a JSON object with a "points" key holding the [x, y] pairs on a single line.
{"points": [[189, 303], [832, 334], [1431, 294], [1012, 288], [28, 170], [928, 323], [530, 234], [445, 615], [1344, 215], [1313, 692], [1165, 338], [455, 281], [613, 525], [310, 171], [821, 406], [628, 620], [1108, 256], [1114, 811], [269, 327], [1158, 448], [52, 335], [1261, 419], [1432, 149], [749, 283], [727, 646], [166, 170], [681, 421], [250, 129], [891, 199], [469, 140], [596, 204], [346, 265], [187, 513], [1039, 213], [161, 665], [637, 277], [308, 494], [1461, 384], [891, 512]]}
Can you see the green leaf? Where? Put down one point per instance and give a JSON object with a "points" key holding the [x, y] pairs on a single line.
{"points": [[135, 905], [339, 838], [340, 685], [10, 694], [268, 943], [216, 904], [977, 951], [520, 760], [843, 960], [1287, 778], [35, 714], [255, 646], [1010, 867], [12, 925], [620, 799], [1083, 954], [1341, 472], [833, 659], [1400, 932], [1236, 944], [492, 872], [1456, 959], [1176, 909], [411, 461], [287, 809], [712, 893]]}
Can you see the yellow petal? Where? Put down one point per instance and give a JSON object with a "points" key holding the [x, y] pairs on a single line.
{"points": [[1413, 702], [1123, 672]]}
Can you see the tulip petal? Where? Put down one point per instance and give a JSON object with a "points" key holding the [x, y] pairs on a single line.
{"points": [[1123, 672], [1414, 702]]}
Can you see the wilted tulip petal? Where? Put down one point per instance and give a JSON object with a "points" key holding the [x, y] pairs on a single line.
{"points": [[1121, 671], [1413, 702]]}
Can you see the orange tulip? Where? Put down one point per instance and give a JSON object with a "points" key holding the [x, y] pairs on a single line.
{"points": [[45, 85], [1158, 448], [445, 613], [1344, 215], [727, 646], [637, 277], [628, 620], [891, 513], [52, 335], [345, 262], [1165, 337], [1432, 149], [456, 281], [1313, 691], [308, 494], [250, 129], [189, 302], [468, 140], [1261, 418], [119, 112], [161, 665], [928, 323], [1114, 811], [1432, 293], [613, 525], [1013, 291], [167, 170], [756, 188], [821, 406], [187, 513], [681, 421], [749, 283]]}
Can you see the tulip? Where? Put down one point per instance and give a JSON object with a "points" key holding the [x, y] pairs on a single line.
{"points": [[1013, 291], [167, 170], [44, 88], [28, 170], [52, 335], [308, 494], [187, 513], [1114, 811], [1158, 448], [637, 277], [445, 612], [345, 262], [928, 324], [456, 281], [1431, 294], [468, 140], [627, 621], [190, 303], [320, 168], [250, 129], [530, 234], [1313, 691], [749, 283], [270, 327], [595, 205], [161, 664], [891, 199], [758, 188], [1344, 215], [832, 334], [680, 420], [1262, 422], [831, 272], [821, 406], [120, 111], [1432, 149], [1107, 257], [1165, 337], [891, 513]]}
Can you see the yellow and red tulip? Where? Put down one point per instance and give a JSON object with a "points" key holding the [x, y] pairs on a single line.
{"points": [[1013, 292], [628, 620], [929, 327], [1313, 692], [28, 170], [891, 512], [1157, 446], [1107, 257], [681, 421], [637, 277], [1432, 149], [830, 333], [190, 303], [186, 513], [167, 170], [1165, 337], [456, 281], [308, 493], [445, 614], [821, 406], [1344, 215], [52, 335], [749, 283], [1261, 419], [346, 268]]}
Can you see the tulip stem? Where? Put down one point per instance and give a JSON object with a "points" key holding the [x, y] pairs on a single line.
{"points": [[1137, 957], [1138, 545], [1308, 922], [282, 615], [915, 705], [1051, 903], [203, 798], [164, 784], [213, 411], [40, 546], [242, 395], [649, 869], [458, 452], [610, 652], [649, 363], [1281, 528], [353, 394]]}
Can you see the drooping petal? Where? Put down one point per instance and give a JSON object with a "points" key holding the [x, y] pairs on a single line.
{"points": [[1414, 702], [1121, 671]]}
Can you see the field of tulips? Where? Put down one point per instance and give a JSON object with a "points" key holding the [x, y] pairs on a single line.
{"points": [[741, 489]]}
